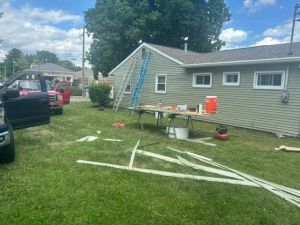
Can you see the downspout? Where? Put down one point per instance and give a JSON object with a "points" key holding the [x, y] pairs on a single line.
{"points": [[287, 77]]}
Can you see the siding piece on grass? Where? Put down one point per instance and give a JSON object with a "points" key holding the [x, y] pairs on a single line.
{"points": [[241, 106]]}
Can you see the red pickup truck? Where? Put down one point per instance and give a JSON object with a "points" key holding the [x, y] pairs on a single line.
{"points": [[55, 98], [64, 88]]}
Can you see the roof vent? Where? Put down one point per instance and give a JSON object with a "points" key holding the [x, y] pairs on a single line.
{"points": [[185, 43]]}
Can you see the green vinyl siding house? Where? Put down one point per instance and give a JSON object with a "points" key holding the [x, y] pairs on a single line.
{"points": [[257, 87]]}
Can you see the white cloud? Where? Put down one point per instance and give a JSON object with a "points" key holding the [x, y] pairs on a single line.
{"points": [[279, 34], [269, 41], [254, 5], [2, 55], [280, 30], [48, 16], [230, 35], [32, 29]]}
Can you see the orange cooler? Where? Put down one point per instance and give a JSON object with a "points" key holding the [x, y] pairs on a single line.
{"points": [[211, 104]]}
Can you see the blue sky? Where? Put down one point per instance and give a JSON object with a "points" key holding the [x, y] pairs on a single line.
{"points": [[263, 21], [56, 25]]}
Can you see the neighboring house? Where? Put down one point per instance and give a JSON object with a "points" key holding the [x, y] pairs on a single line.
{"points": [[257, 87], [88, 76], [53, 72]]}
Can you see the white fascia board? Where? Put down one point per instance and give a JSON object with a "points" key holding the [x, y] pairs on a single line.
{"points": [[53, 71], [147, 46], [244, 62], [163, 54]]}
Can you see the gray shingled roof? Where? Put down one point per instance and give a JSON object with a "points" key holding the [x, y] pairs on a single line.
{"points": [[88, 73], [49, 67], [241, 54]]}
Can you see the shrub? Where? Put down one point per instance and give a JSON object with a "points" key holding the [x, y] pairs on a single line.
{"points": [[99, 93], [76, 91]]}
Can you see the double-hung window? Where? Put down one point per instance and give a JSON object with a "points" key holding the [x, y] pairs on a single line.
{"points": [[161, 83], [231, 78], [269, 80], [202, 80], [128, 88]]}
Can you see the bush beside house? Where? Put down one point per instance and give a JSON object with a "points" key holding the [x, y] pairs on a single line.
{"points": [[99, 94]]}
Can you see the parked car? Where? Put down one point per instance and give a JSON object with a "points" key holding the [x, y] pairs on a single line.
{"points": [[31, 86], [20, 111], [64, 88]]}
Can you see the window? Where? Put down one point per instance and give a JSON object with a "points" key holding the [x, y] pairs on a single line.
{"points": [[202, 80], [269, 80], [161, 83], [128, 88], [231, 78]]}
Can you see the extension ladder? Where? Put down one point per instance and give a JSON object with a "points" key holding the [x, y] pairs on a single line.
{"points": [[139, 85], [124, 84]]}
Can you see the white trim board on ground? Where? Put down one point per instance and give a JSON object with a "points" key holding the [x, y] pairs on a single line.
{"points": [[289, 194]]}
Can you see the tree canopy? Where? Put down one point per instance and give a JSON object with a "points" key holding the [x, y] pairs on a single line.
{"points": [[118, 25], [16, 60]]}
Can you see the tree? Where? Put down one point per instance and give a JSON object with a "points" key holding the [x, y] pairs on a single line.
{"points": [[15, 61], [118, 25], [69, 65], [45, 56]]}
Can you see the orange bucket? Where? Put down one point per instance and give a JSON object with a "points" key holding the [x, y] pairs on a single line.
{"points": [[211, 104]]}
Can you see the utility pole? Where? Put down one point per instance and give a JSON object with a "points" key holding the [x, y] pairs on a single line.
{"points": [[1, 14], [83, 59], [295, 19], [5, 72], [13, 61]]}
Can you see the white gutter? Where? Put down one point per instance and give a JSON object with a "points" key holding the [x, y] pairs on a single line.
{"points": [[244, 62]]}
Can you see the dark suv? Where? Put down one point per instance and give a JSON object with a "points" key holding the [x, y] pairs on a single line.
{"points": [[17, 111]]}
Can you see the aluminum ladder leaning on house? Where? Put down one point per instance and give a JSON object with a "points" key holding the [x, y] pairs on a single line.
{"points": [[139, 85], [124, 84]]}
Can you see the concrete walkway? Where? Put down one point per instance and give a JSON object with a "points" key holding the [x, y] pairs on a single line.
{"points": [[79, 99]]}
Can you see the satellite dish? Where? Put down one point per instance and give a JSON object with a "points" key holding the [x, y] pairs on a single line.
{"points": [[186, 38], [140, 41]]}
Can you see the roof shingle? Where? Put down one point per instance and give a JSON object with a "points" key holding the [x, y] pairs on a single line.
{"points": [[240, 54]]}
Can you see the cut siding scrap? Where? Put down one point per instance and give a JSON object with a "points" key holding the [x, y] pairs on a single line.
{"points": [[289, 194], [133, 153], [209, 169], [200, 141], [287, 149], [110, 139], [158, 156], [170, 174], [175, 150], [182, 161], [87, 138]]}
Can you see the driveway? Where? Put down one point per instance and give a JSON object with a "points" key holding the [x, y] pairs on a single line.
{"points": [[80, 99]]}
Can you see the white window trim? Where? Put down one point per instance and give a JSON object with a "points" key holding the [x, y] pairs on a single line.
{"points": [[128, 92], [156, 82], [202, 85], [231, 83], [281, 87]]}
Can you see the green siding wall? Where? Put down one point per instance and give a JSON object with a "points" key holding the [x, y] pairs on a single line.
{"points": [[240, 106]]}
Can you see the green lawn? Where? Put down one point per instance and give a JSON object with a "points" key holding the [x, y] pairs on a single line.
{"points": [[45, 185]]}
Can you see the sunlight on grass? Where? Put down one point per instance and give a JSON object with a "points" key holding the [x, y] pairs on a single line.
{"points": [[45, 185]]}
